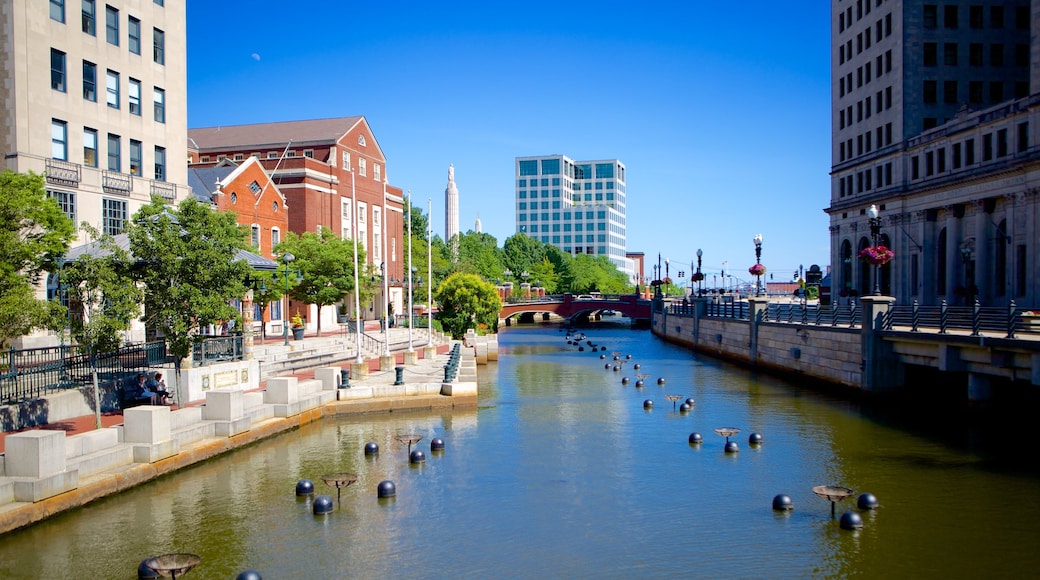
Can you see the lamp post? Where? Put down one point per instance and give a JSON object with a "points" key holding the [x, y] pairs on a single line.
{"points": [[758, 260], [700, 277], [287, 258], [429, 274], [411, 273], [60, 261], [386, 287], [874, 216]]}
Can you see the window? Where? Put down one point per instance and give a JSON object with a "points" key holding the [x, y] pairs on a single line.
{"points": [[112, 88], [931, 15], [1021, 55], [346, 161], [956, 156], [950, 16], [160, 163], [975, 54], [255, 188], [89, 23], [113, 215], [135, 157], [112, 25], [362, 165], [159, 101], [134, 97], [950, 92], [276, 237], [969, 152], [996, 92], [158, 46], [57, 70], [940, 160], [59, 140], [159, 2], [1002, 143], [58, 10], [66, 201], [929, 95], [987, 147], [255, 237], [950, 54], [1023, 137], [115, 161], [975, 92], [133, 26], [996, 17], [996, 54], [90, 147], [376, 172], [90, 81], [975, 17], [931, 54], [272, 155]]}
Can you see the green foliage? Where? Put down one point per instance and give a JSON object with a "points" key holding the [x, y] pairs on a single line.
{"points": [[102, 293], [465, 302], [325, 262], [190, 271], [478, 254], [544, 274], [33, 231], [521, 253]]}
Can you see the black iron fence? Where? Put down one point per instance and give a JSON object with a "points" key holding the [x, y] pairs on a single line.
{"points": [[1009, 321], [215, 349], [32, 373]]}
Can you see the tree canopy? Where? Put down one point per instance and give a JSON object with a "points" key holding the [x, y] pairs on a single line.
{"points": [[33, 233], [467, 301], [326, 265]]}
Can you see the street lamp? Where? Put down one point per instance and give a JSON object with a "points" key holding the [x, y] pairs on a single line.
{"points": [[758, 261], [287, 259], [874, 216], [699, 275]]}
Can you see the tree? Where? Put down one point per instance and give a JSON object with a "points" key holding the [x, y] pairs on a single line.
{"points": [[326, 264], [544, 273], [33, 233], [479, 254], [191, 272], [466, 301], [521, 253], [105, 300], [266, 290]]}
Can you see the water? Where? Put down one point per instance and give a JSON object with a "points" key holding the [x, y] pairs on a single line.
{"points": [[561, 473]]}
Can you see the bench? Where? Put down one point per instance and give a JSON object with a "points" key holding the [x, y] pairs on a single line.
{"points": [[128, 396]]}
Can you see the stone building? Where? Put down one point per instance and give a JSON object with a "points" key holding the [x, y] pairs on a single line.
{"points": [[936, 109]]}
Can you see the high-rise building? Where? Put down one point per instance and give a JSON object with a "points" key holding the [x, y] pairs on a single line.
{"points": [[95, 98], [451, 213], [577, 206], [935, 116]]}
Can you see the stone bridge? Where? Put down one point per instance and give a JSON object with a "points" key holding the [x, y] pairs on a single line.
{"points": [[577, 307]]}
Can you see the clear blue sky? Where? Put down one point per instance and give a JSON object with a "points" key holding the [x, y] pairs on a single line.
{"points": [[720, 110]]}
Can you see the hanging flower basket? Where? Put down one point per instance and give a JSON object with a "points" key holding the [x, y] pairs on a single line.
{"points": [[757, 270], [876, 255], [697, 277]]}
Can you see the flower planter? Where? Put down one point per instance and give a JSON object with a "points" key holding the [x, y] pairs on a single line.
{"points": [[1031, 323], [344, 319], [297, 333]]}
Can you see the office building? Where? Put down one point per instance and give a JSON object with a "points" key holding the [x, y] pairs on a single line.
{"points": [[935, 114], [577, 206]]}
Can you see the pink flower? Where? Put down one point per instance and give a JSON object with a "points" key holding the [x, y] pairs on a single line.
{"points": [[876, 255], [757, 270]]}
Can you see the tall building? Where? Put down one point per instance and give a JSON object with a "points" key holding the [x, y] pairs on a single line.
{"points": [[935, 117], [577, 206], [95, 99], [451, 212]]}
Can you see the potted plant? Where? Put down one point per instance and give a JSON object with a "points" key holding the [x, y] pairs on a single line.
{"points": [[343, 317], [876, 255], [297, 325], [1031, 320]]}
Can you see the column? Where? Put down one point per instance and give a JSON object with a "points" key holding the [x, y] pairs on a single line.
{"points": [[953, 256], [881, 370], [984, 247]]}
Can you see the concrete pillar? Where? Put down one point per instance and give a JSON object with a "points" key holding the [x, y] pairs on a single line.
{"points": [[358, 371], [980, 388], [881, 370], [984, 245], [38, 453], [700, 308], [411, 357], [282, 391], [386, 363], [759, 305], [953, 254], [224, 405], [148, 429], [329, 377]]}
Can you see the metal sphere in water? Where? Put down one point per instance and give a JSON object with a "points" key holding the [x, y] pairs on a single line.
{"points": [[371, 448], [437, 444], [386, 489], [850, 521], [416, 456], [304, 487], [648, 404], [695, 438], [867, 501], [754, 439], [783, 503], [732, 447], [322, 505]]}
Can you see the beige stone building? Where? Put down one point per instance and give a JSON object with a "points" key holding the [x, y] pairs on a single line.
{"points": [[936, 121], [95, 99]]}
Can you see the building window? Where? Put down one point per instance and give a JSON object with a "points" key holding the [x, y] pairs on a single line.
{"points": [[272, 155], [160, 163], [158, 46], [346, 161], [929, 93], [950, 92], [969, 152], [950, 16], [133, 27], [112, 89], [975, 92], [113, 215], [255, 237], [136, 152], [90, 147], [115, 162], [66, 201], [134, 97], [159, 100], [112, 25], [376, 172], [57, 70], [1002, 143], [987, 147], [255, 187], [950, 54], [975, 17], [996, 54], [89, 24], [931, 52], [362, 167], [59, 140], [996, 92], [975, 54], [276, 238], [90, 81], [931, 16], [1023, 137], [58, 10], [956, 156], [996, 17]]}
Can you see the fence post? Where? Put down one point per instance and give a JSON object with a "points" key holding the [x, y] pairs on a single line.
{"points": [[944, 315], [1011, 320], [852, 313], [975, 318], [915, 319]]}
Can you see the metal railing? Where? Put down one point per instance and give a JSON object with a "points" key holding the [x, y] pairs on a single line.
{"points": [[214, 349], [28, 374]]}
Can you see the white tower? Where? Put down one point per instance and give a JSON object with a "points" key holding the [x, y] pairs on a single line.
{"points": [[478, 227], [451, 209]]}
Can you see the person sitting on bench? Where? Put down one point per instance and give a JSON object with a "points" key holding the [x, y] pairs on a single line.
{"points": [[158, 386], [144, 390]]}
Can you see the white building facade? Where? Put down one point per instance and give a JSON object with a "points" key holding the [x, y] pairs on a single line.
{"points": [[577, 206]]}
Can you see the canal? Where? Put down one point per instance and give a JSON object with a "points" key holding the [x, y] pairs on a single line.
{"points": [[561, 472]]}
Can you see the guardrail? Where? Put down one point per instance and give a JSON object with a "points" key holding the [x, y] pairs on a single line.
{"points": [[214, 349], [32, 373]]}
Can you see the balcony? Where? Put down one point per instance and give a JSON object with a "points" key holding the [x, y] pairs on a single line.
{"points": [[118, 183], [167, 191], [62, 172]]}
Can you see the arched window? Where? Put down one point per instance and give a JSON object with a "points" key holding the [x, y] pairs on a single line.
{"points": [[846, 267], [864, 269]]}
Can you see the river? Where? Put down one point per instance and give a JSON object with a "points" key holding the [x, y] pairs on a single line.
{"points": [[561, 472]]}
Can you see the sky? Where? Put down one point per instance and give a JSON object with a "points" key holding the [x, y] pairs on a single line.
{"points": [[719, 110]]}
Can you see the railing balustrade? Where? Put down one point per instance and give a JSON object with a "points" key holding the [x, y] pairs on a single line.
{"points": [[214, 349]]}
